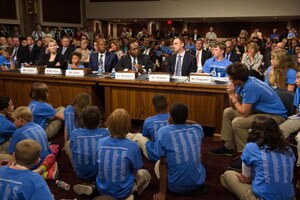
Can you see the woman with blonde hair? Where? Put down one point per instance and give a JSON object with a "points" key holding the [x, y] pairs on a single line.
{"points": [[252, 58], [281, 74], [116, 48], [85, 53]]}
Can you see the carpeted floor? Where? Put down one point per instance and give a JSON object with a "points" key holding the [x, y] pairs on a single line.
{"points": [[214, 165]]}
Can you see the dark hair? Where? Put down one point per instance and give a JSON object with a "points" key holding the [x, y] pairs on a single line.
{"points": [[91, 117], [4, 102], [9, 50], [238, 71], [75, 53], [181, 39], [30, 37], [129, 44], [179, 113], [160, 103], [267, 135], [81, 102], [39, 92]]}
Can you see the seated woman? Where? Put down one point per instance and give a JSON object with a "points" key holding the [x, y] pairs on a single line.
{"points": [[85, 53], [76, 60], [268, 165], [252, 58], [115, 48], [281, 74], [53, 59]]}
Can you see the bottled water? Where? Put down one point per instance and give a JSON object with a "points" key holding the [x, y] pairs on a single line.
{"points": [[100, 71], [69, 67], [63, 185], [113, 72], [149, 71]]}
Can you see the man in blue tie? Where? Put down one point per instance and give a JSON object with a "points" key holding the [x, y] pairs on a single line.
{"points": [[181, 63]]}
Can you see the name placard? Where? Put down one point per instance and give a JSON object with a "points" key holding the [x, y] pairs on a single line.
{"points": [[157, 77], [74, 72], [53, 71], [29, 70], [200, 79], [125, 75]]}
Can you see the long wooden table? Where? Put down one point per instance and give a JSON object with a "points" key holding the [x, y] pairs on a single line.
{"points": [[205, 102]]}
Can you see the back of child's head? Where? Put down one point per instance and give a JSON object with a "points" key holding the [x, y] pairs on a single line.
{"points": [[81, 101], [266, 133], [24, 113], [179, 113], [91, 117], [160, 103], [27, 152], [119, 123], [39, 92], [4, 101]]}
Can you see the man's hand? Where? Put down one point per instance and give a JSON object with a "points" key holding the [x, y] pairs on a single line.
{"points": [[159, 196], [243, 179], [230, 89]]}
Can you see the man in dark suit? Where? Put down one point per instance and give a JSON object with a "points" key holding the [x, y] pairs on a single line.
{"points": [[104, 59], [66, 49], [181, 63], [134, 60], [195, 35], [31, 51], [18, 52], [200, 54], [59, 34], [230, 53]]}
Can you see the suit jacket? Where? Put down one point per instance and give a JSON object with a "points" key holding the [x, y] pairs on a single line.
{"points": [[111, 60], [234, 57], [58, 59], [197, 37], [67, 54], [189, 64], [125, 62], [152, 55], [205, 56], [56, 35], [31, 57]]}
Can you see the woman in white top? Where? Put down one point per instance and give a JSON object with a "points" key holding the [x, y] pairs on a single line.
{"points": [[85, 53], [252, 58]]}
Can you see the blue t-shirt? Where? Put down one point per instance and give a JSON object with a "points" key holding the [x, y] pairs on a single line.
{"points": [[6, 128], [166, 50], [290, 76], [297, 99], [4, 61], [215, 67], [272, 172], [150, 130], [181, 146], [262, 97], [33, 131], [69, 117], [23, 184], [42, 112], [117, 160], [83, 147]]}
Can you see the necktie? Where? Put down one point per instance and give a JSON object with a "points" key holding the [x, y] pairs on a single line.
{"points": [[197, 58], [14, 56], [227, 56], [63, 51], [101, 62], [178, 67], [133, 64], [30, 49]]}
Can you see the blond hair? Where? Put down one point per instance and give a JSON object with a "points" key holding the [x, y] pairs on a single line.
{"points": [[119, 123], [253, 45], [24, 113], [27, 152], [282, 62]]}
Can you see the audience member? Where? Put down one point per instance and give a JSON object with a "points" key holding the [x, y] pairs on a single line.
{"points": [[53, 59], [200, 54], [281, 74], [230, 53], [268, 165], [179, 169], [249, 98]]}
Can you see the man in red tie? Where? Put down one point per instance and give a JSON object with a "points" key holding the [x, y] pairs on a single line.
{"points": [[201, 54]]}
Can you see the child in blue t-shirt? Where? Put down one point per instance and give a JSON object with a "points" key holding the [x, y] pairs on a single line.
{"points": [[26, 129], [43, 113], [268, 165], [6, 60], [18, 181], [119, 160], [83, 144], [72, 113], [75, 60], [146, 140], [6, 126], [179, 148]]}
